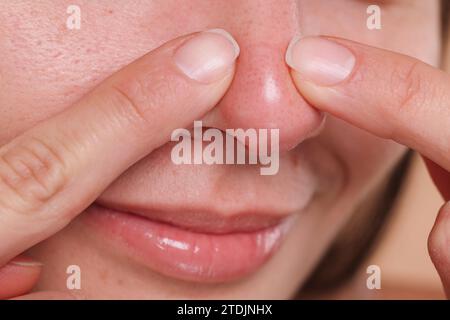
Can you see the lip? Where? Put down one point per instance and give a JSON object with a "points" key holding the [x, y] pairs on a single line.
{"points": [[218, 250]]}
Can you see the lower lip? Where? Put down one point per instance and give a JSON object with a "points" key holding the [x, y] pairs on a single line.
{"points": [[184, 254]]}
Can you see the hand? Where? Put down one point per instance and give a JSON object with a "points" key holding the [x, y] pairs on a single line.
{"points": [[52, 172], [390, 95]]}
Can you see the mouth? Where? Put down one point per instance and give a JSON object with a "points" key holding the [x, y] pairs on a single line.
{"points": [[190, 245]]}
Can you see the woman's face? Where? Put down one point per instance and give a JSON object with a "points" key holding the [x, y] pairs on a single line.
{"points": [[327, 169]]}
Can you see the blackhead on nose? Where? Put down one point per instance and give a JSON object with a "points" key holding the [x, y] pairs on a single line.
{"points": [[263, 94]]}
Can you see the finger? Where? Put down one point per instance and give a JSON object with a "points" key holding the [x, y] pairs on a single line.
{"points": [[18, 277], [55, 170], [388, 94], [440, 177], [47, 295], [439, 246]]}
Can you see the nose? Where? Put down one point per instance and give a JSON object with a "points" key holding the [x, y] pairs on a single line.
{"points": [[263, 94]]}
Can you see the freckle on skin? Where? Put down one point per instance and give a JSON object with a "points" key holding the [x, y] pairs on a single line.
{"points": [[103, 275]]}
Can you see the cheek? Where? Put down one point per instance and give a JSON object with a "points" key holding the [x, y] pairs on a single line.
{"points": [[46, 67], [366, 158], [409, 27]]}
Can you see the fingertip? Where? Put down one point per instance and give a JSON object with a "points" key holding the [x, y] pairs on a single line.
{"points": [[439, 245], [48, 295], [19, 276], [208, 56], [320, 60]]}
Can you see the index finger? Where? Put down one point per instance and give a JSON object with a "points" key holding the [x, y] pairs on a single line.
{"points": [[55, 170], [388, 94]]}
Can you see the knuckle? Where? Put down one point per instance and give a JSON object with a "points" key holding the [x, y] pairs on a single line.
{"points": [[406, 87], [409, 83], [127, 104], [32, 173], [141, 97]]}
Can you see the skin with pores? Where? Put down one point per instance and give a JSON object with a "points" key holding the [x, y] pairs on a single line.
{"points": [[328, 167]]}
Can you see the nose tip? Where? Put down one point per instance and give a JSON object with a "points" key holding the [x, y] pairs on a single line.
{"points": [[263, 95]]}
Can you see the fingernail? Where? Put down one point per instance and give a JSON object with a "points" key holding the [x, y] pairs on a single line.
{"points": [[22, 261], [208, 57], [319, 60]]}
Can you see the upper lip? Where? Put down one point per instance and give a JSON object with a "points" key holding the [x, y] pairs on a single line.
{"points": [[201, 219]]}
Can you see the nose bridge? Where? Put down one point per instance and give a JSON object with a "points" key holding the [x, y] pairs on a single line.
{"points": [[259, 18], [262, 94]]}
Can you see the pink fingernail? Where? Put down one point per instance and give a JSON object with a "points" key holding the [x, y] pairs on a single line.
{"points": [[208, 57], [319, 60], [22, 261]]}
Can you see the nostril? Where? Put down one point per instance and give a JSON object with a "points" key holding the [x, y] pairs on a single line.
{"points": [[314, 132]]}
